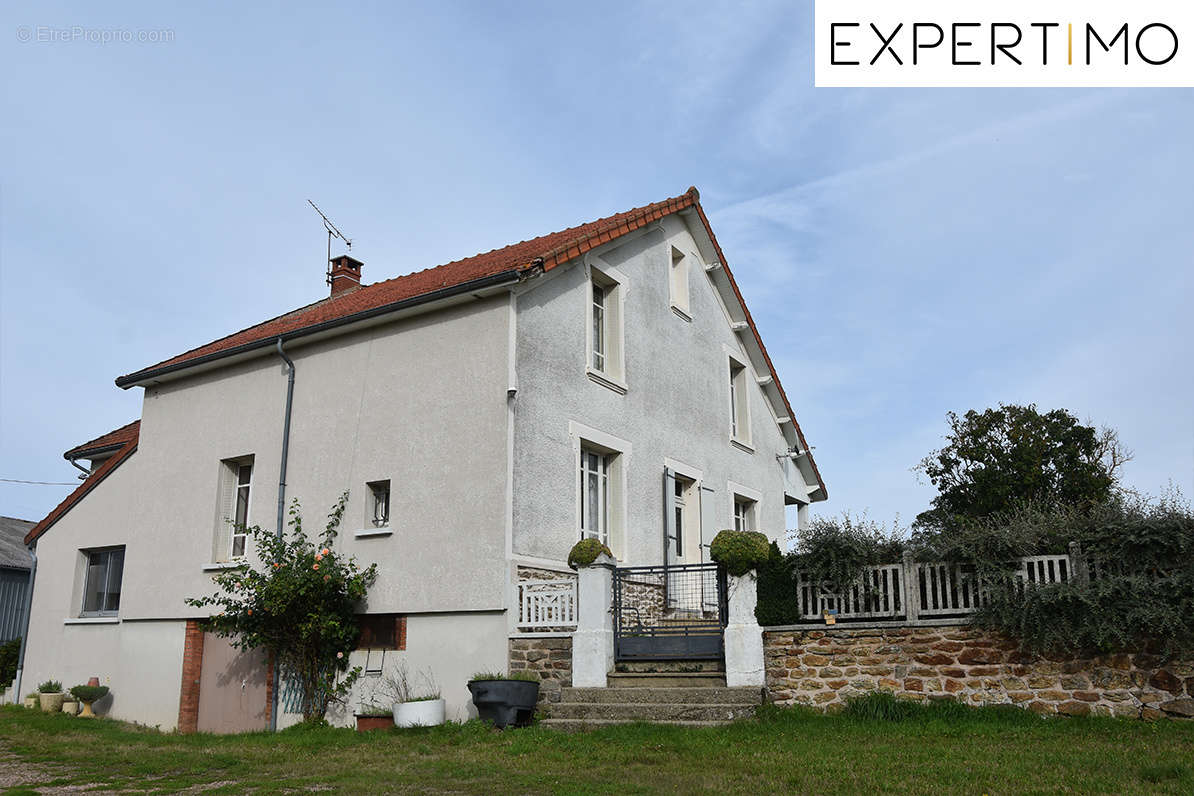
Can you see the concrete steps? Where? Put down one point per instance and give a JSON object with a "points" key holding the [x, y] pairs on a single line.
{"points": [[686, 704], [582, 725], [672, 695], [666, 679]]}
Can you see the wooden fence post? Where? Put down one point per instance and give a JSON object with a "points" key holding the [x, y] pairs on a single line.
{"points": [[1079, 570], [911, 593]]}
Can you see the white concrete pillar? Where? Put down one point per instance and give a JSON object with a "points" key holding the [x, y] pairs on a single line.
{"points": [[593, 641], [743, 636]]}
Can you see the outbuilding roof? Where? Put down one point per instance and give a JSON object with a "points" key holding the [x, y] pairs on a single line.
{"points": [[126, 437], [13, 554]]}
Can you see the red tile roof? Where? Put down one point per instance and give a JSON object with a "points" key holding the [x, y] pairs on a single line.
{"points": [[111, 440], [544, 252], [127, 436]]}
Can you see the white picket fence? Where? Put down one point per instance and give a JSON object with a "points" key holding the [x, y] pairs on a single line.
{"points": [[546, 604], [913, 591]]}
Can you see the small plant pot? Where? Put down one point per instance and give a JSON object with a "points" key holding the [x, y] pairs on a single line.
{"points": [[505, 702], [368, 723], [70, 707], [32, 702], [423, 713], [51, 703]]}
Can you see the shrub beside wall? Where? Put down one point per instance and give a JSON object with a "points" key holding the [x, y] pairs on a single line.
{"points": [[823, 668]]}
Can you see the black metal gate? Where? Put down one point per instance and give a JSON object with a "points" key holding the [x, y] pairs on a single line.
{"points": [[674, 612]]}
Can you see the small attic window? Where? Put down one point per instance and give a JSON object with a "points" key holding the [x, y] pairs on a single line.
{"points": [[678, 283]]}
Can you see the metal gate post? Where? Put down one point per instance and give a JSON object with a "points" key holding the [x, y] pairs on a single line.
{"points": [[593, 641]]}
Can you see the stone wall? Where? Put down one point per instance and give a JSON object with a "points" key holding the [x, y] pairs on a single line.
{"points": [[824, 667], [548, 657]]}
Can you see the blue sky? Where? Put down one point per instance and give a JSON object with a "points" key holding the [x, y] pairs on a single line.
{"points": [[905, 252]]}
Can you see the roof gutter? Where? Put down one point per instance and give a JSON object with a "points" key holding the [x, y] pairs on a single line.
{"points": [[494, 280]]}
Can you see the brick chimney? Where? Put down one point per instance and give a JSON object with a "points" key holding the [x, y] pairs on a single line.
{"points": [[344, 275]]}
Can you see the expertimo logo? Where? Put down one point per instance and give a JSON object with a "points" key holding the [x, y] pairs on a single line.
{"points": [[1004, 43]]}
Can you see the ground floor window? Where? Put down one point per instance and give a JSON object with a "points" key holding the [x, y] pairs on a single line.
{"points": [[594, 494], [744, 513], [101, 587]]}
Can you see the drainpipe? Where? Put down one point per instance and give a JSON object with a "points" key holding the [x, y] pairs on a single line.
{"points": [[273, 716], [16, 685], [285, 436]]}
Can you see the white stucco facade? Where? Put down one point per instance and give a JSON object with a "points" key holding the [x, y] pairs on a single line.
{"points": [[475, 411], [674, 413]]}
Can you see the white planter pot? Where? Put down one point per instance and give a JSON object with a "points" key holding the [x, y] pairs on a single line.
{"points": [[426, 713]]}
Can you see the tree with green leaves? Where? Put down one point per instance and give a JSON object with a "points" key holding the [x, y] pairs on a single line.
{"points": [[999, 458], [298, 602]]}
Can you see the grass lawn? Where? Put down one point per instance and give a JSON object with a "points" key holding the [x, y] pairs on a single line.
{"points": [[942, 749]]}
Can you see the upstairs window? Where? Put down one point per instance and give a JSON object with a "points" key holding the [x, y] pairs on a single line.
{"points": [[739, 404], [101, 586], [599, 328], [232, 510], [678, 283], [379, 503], [605, 362]]}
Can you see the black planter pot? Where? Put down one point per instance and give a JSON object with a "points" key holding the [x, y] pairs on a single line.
{"points": [[505, 702]]}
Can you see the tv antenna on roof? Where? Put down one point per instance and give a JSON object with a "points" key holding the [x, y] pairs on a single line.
{"points": [[332, 233]]}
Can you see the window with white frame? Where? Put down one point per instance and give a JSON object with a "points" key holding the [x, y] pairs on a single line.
{"points": [[739, 403], [745, 511], [678, 282], [594, 494], [605, 336], [379, 503], [232, 514], [102, 580]]}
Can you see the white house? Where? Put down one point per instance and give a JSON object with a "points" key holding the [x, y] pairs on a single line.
{"points": [[606, 380]]}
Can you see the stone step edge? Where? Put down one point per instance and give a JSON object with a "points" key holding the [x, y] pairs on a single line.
{"points": [[592, 724]]}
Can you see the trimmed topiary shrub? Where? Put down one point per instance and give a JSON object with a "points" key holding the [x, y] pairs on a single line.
{"points": [[89, 693], [585, 552], [739, 551]]}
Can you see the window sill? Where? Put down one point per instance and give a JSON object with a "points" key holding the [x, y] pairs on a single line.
{"points": [[366, 533], [91, 620], [216, 566], [598, 377], [682, 313], [742, 446]]}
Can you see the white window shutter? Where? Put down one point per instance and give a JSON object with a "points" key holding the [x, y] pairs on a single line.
{"points": [[709, 521], [669, 516]]}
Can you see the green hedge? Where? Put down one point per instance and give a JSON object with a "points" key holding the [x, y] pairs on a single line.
{"points": [[778, 603], [9, 652]]}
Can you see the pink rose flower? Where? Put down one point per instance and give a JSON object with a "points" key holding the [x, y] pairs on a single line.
{"points": [[339, 654], [315, 566]]}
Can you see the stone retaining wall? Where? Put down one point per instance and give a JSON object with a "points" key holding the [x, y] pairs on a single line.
{"points": [[550, 658], [822, 668]]}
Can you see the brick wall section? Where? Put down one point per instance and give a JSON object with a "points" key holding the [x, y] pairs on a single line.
{"points": [[549, 658], [192, 665], [824, 667]]}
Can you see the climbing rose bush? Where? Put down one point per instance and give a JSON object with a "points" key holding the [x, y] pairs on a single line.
{"points": [[297, 602]]}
